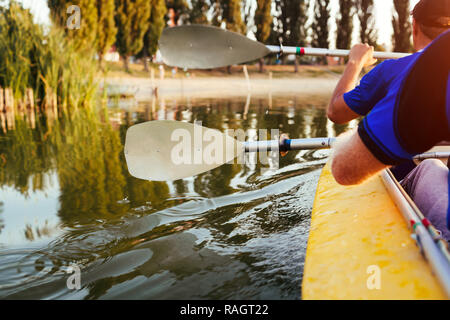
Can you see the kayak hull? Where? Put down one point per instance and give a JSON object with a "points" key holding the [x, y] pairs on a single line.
{"points": [[360, 247]]}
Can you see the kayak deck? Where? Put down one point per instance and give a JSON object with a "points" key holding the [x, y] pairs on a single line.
{"points": [[354, 228]]}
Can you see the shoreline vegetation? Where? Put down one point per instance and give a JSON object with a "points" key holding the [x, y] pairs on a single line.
{"points": [[41, 71], [47, 72]]}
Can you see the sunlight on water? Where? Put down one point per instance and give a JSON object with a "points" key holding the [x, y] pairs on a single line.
{"points": [[236, 232]]}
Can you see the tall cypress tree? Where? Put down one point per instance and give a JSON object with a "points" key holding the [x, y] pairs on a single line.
{"points": [[320, 29], [85, 37], [402, 26], [345, 24], [291, 21], [263, 22], [132, 20], [106, 31], [157, 22], [368, 33], [232, 15], [263, 19]]}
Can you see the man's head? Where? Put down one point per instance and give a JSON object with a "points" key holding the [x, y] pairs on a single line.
{"points": [[431, 18]]}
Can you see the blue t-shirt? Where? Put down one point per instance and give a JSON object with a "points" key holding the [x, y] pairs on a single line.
{"points": [[377, 130], [414, 115], [376, 84]]}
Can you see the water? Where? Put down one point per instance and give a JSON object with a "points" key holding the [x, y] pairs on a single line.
{"points": [[236, 232]]}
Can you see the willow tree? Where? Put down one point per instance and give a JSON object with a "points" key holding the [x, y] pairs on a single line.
{"points": [[84, 35], [367, 33], [402, 26], [344, 21], [106, 31], [132, 20], [263, 22], [157, 23], [320, 29]]}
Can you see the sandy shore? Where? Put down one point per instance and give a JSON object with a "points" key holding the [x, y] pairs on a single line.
{"points": [[212, 87]]}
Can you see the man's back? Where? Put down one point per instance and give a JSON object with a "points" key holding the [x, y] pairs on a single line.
{"points": [[376, 84]]}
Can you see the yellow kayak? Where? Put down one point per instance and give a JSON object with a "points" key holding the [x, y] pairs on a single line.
{"points": [[360, 247]]}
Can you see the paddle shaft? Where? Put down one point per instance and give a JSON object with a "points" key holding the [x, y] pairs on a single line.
{"points": [[301, 51], [315, 144], [289, 145]]}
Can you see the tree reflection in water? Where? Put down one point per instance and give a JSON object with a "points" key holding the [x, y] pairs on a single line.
{"points": [[110, 221]]}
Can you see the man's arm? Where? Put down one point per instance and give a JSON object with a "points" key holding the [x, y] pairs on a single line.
{"points": [[361, 56], [352, 163]]}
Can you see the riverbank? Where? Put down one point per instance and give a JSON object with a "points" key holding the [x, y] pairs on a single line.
{"points": [[197, 84], [276, 80], [143, 89]]}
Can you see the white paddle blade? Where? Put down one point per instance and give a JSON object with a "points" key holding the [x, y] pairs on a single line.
{"points": [[207, 47], [172, 150]]}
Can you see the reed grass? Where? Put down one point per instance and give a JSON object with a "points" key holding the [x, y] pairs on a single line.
{"points": [[45, 60]]}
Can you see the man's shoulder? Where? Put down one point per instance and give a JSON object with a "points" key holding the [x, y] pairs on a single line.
{"points": [[391, 69], [401, 63]]}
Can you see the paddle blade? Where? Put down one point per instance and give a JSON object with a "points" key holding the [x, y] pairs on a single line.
{"points": [[207, 47], [172, 150]]}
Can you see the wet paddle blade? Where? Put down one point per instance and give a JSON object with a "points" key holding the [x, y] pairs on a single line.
{"points": [[207, 47], [172, 150]]}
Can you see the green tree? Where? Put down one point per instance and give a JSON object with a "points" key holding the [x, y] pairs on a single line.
{"points": [[106, 32], [230, 13], [157, 23], [290, 24], [368, 33], [345, 24], [232, 16], [263, 22], [263, 19], [132, 20], [86, 35], [320, 29], [291, 21], [198, 12], [402, 26]]}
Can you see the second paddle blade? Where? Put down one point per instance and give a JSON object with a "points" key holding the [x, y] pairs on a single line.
{"points": [[172, 150], [207, 47]]}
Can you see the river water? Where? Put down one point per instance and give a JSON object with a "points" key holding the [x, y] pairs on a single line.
{"points": [[67, 201]]}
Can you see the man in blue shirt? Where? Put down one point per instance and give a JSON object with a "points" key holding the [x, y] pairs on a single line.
{"points": [[348, 103], [413, 117]]}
